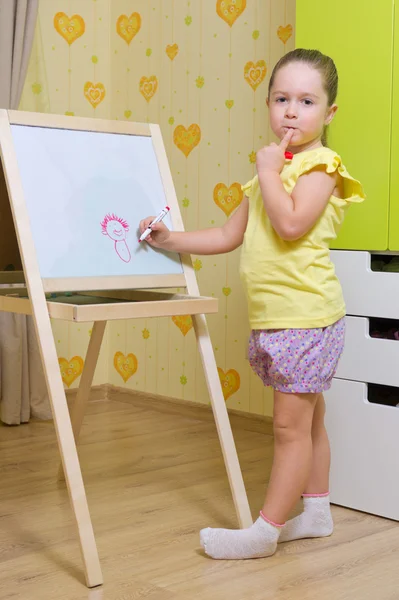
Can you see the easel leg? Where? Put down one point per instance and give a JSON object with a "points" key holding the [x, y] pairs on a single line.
{"points": [[67, 446], [86, 379], [222, 422]]}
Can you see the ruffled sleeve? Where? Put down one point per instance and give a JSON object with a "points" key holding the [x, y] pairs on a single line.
{"points": [[353, 190], [249, 187]]}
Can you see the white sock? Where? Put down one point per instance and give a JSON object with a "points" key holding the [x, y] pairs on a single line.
{"points": [[257, 541], [315, 521]]}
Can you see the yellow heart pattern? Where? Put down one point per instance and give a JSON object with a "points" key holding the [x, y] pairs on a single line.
{"points": [[94, 92], [226, 291], [183, 322], [148, 86], [255, 73], [187, 139], [128, 114], [128, 27], [125, 365], [70, 28], [172, 50], [230, 10], [70, 369], [230, 381], [228, 198], [284, 33]]}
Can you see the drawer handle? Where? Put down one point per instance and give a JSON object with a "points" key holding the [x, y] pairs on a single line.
{"points": [[385, 263], [383, 394], [387, 329]]}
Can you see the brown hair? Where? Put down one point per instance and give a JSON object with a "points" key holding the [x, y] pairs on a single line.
{"points": [[324, 64]]}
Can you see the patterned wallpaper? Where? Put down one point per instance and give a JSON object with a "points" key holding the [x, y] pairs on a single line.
{"points": [[200, 69]]}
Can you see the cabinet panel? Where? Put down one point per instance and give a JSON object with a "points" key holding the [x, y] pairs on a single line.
{"points": [[358, 35], [364, 449], [367, 293], [365, 358]]}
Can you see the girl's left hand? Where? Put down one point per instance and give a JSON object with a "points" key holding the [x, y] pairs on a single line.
{"points": [[272, 157]]}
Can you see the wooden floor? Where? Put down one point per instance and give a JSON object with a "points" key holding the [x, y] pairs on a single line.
{"points": [[153, 479]]}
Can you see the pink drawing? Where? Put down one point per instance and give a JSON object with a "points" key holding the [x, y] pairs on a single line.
{"points": [[117, 228]]}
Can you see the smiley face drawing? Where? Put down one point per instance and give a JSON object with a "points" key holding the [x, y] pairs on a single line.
{"points": [[116, 228]]}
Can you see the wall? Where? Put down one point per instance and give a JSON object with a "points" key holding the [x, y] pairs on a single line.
{"points": [[200, 69]]}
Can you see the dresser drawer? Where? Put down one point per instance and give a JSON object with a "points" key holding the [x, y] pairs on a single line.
{"points": [[367, 293], [364, 358], [364, 441]]}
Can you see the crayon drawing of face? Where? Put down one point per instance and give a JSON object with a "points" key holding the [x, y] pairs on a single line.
{"points": [[115, 227]]}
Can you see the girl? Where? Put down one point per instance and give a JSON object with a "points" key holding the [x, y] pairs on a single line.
{"points": [[291, 211]]}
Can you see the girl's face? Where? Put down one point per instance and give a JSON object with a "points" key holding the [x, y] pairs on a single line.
{"points": [[298, 101]]}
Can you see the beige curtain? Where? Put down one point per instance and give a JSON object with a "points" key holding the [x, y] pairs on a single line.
{"points": [[17, 28], [22, 386]]}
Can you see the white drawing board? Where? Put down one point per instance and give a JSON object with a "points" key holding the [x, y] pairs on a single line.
{"points": [[85, 194]]}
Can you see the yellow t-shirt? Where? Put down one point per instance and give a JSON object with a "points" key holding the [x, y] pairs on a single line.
{"points": [[292, 284]]}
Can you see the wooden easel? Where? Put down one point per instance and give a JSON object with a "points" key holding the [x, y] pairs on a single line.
{"points": [[120, 299]]}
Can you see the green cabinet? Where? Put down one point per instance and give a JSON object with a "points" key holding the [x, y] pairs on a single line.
{"points": [[359, 36], [394, 204]]}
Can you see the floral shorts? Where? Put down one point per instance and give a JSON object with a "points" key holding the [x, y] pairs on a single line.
{"points": [[297, 361]]}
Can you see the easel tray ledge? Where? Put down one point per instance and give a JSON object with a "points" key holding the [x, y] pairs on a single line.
{"points": [[110, 305]]}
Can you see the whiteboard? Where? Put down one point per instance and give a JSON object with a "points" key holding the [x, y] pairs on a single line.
{"points": [[85, 195]]}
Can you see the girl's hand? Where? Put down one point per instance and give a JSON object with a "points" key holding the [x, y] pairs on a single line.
{"points": [[272, 157], [159, 234]]}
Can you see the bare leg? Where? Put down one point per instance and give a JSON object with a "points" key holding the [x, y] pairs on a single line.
{"points": [[292, 464], [319, 479], [316, 519], [293, 416]]}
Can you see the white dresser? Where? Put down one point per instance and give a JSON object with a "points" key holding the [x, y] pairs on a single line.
{"points": [[364, 436]]}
